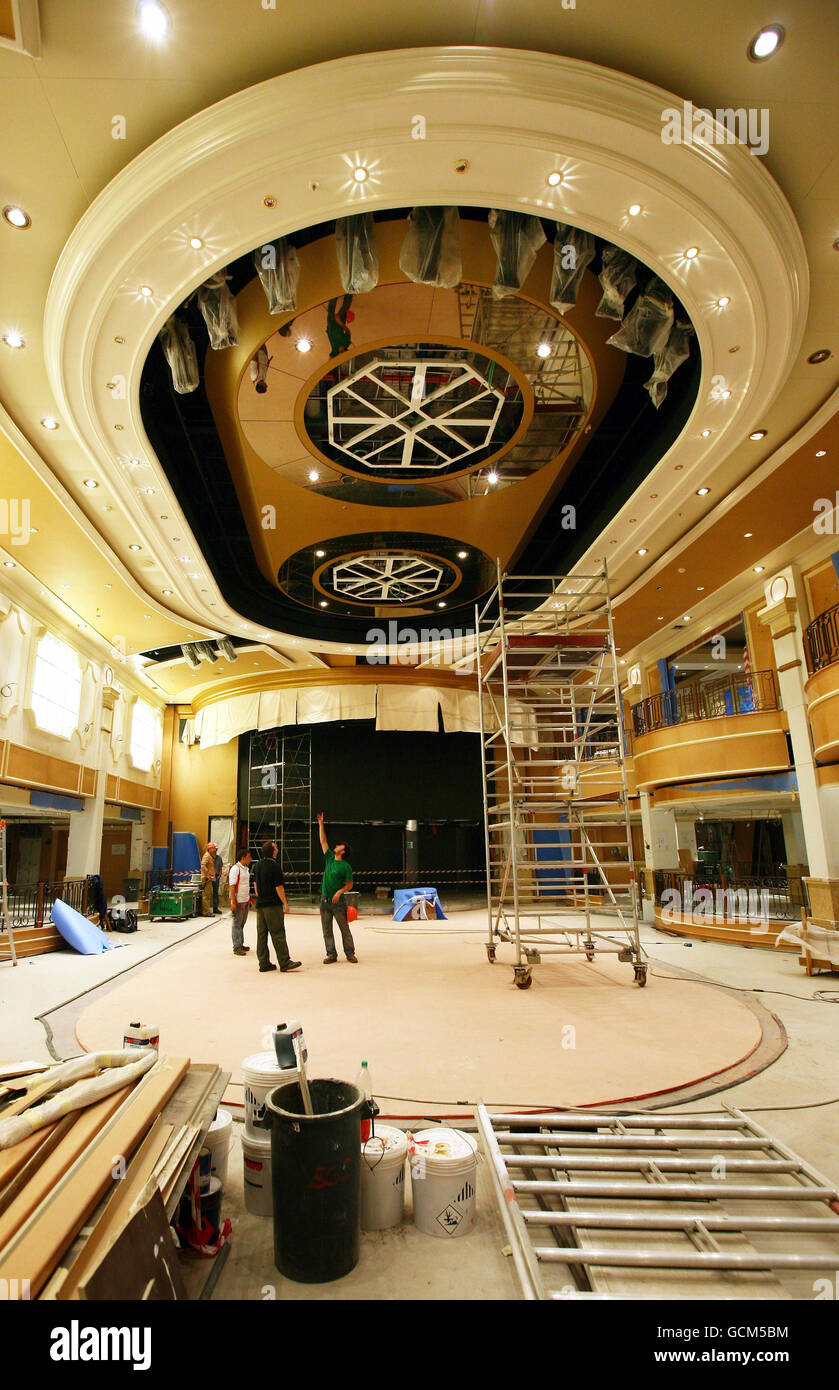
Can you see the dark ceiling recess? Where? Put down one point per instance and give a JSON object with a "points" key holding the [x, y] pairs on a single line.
{"points": [[621, 452]]}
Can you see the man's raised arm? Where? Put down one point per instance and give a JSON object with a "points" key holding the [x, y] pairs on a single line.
{"points": [[324, 843]]}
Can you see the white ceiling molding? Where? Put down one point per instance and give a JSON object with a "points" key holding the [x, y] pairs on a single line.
{"points": [[296, 139]]}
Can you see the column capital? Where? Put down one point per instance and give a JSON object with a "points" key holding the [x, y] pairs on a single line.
{"points": [[779, 617]]}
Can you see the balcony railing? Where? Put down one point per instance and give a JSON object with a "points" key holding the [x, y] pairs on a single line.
{"points": [[732, 897], [30, 904], [729, 695], [821, 640]]}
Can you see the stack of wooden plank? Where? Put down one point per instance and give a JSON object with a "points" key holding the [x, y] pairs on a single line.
{"points": [[85, 1202]]}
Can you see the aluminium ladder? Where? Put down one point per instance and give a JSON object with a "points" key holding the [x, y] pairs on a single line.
{"points": [[5, 917], [628, 1204], [558, 850]]}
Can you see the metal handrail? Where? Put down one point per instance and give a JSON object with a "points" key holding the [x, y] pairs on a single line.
{"points": [[30, 904], [746, 694], [821, 640], [782, 897]]}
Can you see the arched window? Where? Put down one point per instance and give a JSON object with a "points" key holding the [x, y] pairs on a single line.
{"points": [[142, 736], [56, 687]]}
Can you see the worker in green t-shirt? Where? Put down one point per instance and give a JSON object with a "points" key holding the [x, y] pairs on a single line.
{"points": [[335, 884]]}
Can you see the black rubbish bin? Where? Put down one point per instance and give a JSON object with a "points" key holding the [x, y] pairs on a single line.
{"points": [[316, 1176]]}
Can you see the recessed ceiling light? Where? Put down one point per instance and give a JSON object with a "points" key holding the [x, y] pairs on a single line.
{"points": [[146, 291], [313, 475], [700, 588], [820, 356], [554, 178], [13, 339], [766, 42], [492, 478], [820, 453], [691, 253], [16, 217], [659, 620], [702, 491], [49, 422], [758, 569], [723, 301], [441, 604], [147, 615], [196, 243], [758, 434], [462, 554], [33, 530], [747, 535], [642, 551], [359, 173], [543, 350], [303, 345], [90, 482], [634, 210], [154, 19], [323, 603], [167, 593], [135, 547], [686, 618], [320, 554], [705, 434], [10, 564], [119, 338], [109, 586]]}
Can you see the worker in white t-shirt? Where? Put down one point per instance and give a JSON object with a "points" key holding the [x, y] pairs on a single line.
{"points": [[239, 883]]}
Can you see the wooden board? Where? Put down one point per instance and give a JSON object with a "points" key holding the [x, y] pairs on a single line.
{"points": [[49, 1138], [13, 1159], [143, 1264], [37, 1247]]}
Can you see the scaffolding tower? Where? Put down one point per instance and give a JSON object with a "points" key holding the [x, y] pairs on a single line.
{"points": [[558, 860], [280, 801]]}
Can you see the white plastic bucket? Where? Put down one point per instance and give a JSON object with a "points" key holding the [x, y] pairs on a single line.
{"points": [[218, 1142], [261, 1073], [383, 1178], [444, 1180], [256, 1172]]}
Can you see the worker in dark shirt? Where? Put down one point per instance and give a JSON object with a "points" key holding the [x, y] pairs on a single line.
{"points": [[336, 883], [271, 907]]}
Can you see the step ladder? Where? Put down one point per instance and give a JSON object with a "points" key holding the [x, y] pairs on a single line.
{"points": [[5, 918], [588, 1199]]}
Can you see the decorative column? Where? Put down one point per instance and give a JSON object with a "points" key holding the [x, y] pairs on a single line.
{"points": [[84, 844], [819, 815]]}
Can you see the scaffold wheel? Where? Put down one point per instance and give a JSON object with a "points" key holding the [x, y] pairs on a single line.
{"points": [[640, 975], [491, 954], [523, 977]]}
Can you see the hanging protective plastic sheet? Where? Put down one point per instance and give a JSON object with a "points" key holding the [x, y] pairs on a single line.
{"points": [[278, 268], [358, 259], [573, 251], [617, 277], [516, 237], [179, 351], [218, 308], [430, 253], [646, 328], [675, 351]]}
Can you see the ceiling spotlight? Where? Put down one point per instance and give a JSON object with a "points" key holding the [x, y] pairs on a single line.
{"points": [[702, 491], [320, 554], [758, 569], [154, 20], [360, 174], [554, 178], [323, 603], [691, 253], [758, 434], [313, 475], [686, 618], [10, 564], [766, 42], [543, 350], [723, 301], [820, 356], [700, 588], [13, 339], [49, 422], [167, 593], [442, 603], [135, 547], [462, 554], [16, 217], [492, 478], [90, 482], [659, 620], [635, 209], [303, 344], [642, 551], [820, 453], [196, 243], [705, 434]]}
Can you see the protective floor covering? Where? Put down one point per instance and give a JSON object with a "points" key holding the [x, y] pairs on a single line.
{"points": [[436, 1023]]}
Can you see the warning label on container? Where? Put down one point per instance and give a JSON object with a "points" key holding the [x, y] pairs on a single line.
{"points": [[449, 1218]]}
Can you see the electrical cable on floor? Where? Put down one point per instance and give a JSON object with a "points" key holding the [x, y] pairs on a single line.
{"points": [[816, 998]]}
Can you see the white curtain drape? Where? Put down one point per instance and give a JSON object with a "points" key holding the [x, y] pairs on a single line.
{"points": [[412, 707]]}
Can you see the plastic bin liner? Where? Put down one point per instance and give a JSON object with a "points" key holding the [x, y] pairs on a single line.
{"points": [[516, 237], [676, 351], [646, 328], [179, 351], [358, 259], [278, 268], [573, 251], [430, 253], [617, 278], [218, 308]]}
